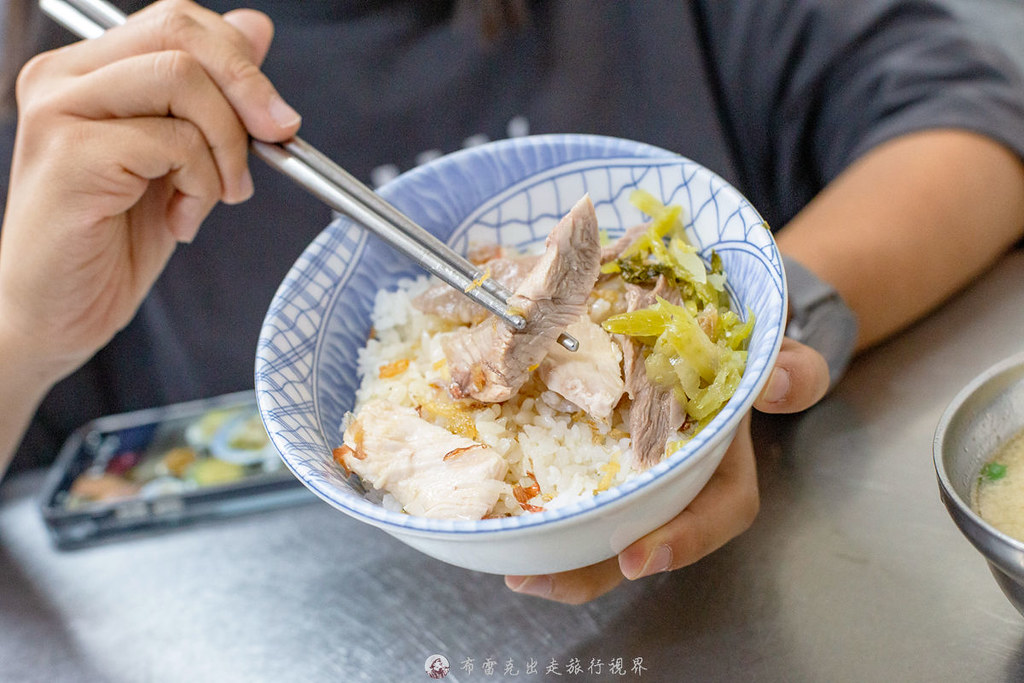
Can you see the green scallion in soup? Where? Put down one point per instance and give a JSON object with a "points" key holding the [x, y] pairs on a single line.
{"points": [[999, 492]]}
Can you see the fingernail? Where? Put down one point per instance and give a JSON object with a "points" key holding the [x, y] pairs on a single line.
{"points": [[282, 113], [539, 586], [243, 189], [778, 386], [637, 566]]}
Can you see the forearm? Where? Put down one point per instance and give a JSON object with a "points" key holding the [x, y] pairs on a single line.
{"points": [[24, 381], [909, 224]]}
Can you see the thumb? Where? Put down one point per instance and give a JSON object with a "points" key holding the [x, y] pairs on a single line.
{"points": [[257, 28], [798, 380]]}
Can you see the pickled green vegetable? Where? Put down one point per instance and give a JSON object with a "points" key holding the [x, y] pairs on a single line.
{"points": [[704, 371], [647, 322], [697, 348], [664, 249]]}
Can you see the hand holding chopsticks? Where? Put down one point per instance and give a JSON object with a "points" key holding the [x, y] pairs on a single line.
{"points": [[316, 173]]}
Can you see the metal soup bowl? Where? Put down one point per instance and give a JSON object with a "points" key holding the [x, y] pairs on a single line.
{"points": [[986, 414]]}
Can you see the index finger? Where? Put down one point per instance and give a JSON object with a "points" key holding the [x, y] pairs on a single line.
{"points": [[226, 53]]}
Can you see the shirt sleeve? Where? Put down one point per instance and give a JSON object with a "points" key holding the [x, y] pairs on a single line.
{"points": [[807, 86]]}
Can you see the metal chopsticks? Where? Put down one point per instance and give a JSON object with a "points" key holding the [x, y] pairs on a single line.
{"points": [[316, 173]]}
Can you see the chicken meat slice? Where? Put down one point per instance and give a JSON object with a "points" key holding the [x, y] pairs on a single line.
{"points": [[655, 413], [429, 470], [591, 378], [490, 361], [443, 300]]}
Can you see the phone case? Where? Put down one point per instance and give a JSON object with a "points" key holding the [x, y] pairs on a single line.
{"points": [[165, 467]]}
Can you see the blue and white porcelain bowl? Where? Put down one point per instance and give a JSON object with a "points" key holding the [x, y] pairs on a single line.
{"points": [[510, 192]]}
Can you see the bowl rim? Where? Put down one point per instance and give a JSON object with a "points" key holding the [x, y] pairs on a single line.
{"points": [[722, 426], [949, 492]]}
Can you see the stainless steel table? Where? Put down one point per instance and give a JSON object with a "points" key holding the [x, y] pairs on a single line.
{"points": [[852, 572]]}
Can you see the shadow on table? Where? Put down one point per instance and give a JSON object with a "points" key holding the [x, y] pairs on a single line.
{"points": [[1015, 665], [27, 618]]}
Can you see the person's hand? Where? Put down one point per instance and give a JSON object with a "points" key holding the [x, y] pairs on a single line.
{"points": [[124, 145], [724, 508]]}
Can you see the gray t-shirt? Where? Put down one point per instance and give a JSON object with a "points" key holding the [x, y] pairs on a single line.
{"points": [[777, 96]]}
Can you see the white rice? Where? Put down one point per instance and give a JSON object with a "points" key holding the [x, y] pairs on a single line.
{"points": [[546, 441]]}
